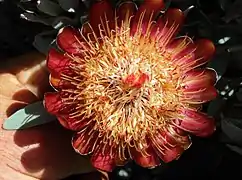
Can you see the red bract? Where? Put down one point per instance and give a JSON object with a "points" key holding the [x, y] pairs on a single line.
{"points": [[128, 87]]}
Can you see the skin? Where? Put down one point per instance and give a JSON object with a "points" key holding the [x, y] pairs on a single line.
{"points": [[42, 152]]}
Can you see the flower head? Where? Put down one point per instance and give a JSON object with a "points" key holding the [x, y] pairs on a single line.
{"points": [[128, 87]]}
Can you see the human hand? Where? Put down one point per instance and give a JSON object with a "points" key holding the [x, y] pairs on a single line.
{"points": [[42, 152]]}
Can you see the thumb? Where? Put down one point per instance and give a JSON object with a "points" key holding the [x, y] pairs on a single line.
{"points": [[42, 152]]}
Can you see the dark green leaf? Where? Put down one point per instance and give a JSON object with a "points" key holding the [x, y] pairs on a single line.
{"points": [[49, 7]]}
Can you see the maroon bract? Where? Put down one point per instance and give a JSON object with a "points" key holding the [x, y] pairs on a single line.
{"points": [[128, 87]]}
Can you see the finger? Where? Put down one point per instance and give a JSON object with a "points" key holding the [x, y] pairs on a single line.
{"points": [[30, 70], [8, 107], [35, 77], [19, 63], [43, 152], [11, 88]]}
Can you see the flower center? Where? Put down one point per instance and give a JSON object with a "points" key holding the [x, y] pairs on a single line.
{"points": [[135, 80], [130, 87]]}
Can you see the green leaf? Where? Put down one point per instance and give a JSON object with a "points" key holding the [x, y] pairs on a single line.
{"points": [[32, 115]]}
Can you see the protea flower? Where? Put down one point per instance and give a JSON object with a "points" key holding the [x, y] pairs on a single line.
{"points": [[128, 87]]}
